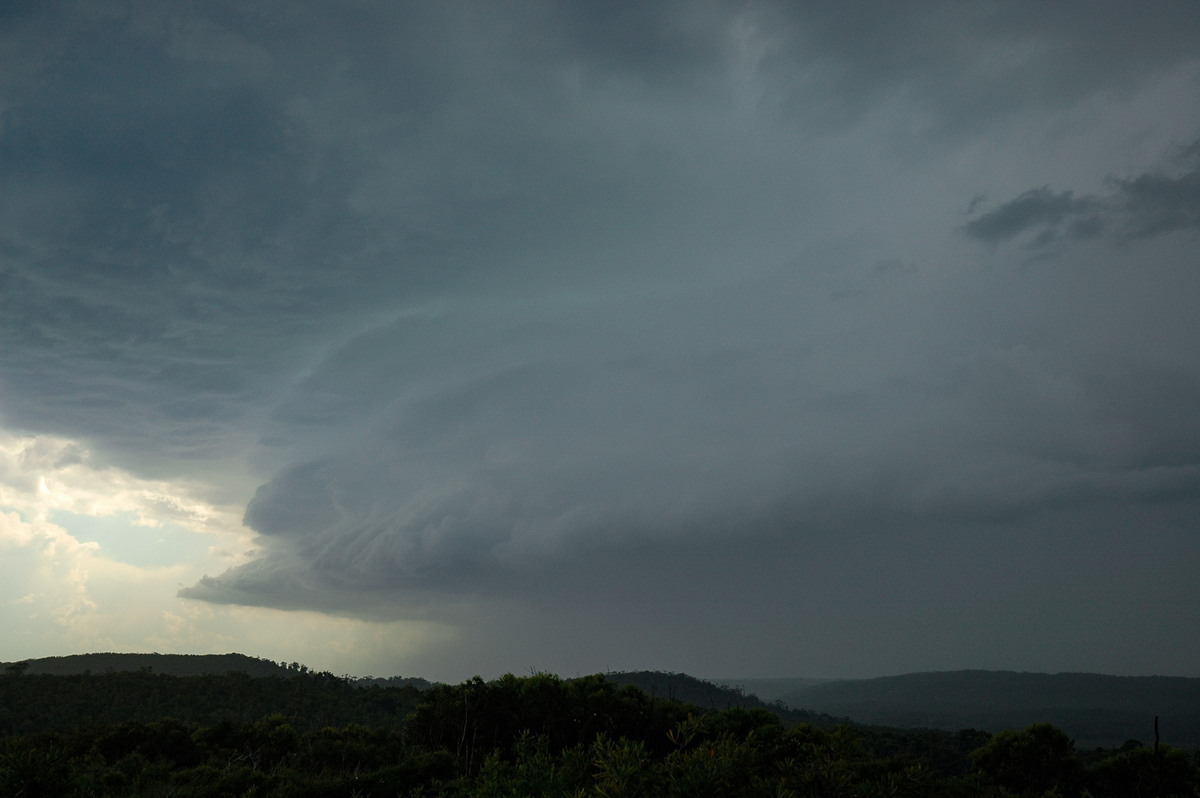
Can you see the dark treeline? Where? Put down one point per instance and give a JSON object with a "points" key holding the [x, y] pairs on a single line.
{"points": [[172, 664], [32, 703], [311, 734], [706, 695], [188, 665]]}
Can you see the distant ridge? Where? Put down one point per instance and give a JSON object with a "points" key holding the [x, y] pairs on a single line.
{"points": [[393, 681], [1094, 709], [685, 688], [707, 695], [770, 689], [170, 664]]}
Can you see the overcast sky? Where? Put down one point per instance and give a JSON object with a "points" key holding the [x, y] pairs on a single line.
{"points": [[735, 338]]}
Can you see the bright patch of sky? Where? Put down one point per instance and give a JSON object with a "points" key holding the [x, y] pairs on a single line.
{"points": [[121, 538]]}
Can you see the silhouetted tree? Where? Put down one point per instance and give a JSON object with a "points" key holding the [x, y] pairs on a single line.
{"points": [[1033, 761]]}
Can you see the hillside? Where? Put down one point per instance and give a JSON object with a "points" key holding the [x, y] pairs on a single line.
{"points": [[1094, 709], [770, 690], [169, 664], [145, 735], [32, 703], [706, 695], [688, 689]]}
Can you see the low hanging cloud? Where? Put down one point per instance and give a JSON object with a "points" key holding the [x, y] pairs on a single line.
{"points": [[1150, 204], [484, 459], [1039, 208], [1155, 203]]}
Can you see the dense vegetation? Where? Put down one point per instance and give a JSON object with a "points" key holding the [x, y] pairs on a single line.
{"points": [[706, 695], [308, 734], [188, 665], [38, 703]]}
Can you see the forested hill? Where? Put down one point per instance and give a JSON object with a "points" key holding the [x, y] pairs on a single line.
{"points": [[141, 734], [1094, 709], [169, 664], [32, 703], [688, 689], [415, 682], [189, 665], [771, 690], [709, 696]]}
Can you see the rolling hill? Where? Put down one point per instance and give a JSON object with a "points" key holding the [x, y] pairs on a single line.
{"points": [[1094, 709], [169, 664]]}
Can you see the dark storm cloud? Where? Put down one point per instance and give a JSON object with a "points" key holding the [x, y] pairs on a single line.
{"points": [[1148, 205], [488, 459], [155, 217], [1037, 208], [541, 312], [965, 68], [195, 199], [1155, 203]]}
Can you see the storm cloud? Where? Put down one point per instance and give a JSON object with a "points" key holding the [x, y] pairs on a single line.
{"points": [[1148, 205], [663, 321]]}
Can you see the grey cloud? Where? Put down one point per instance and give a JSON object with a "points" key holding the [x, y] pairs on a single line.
{"points": [[301, 500], [966, 67], [536, 316], [659, 42], [491, 454], [1168, 436], [1037, 208], [153, 217], [237, 180], [1154, 203], [179, 189], [1148, 205]]}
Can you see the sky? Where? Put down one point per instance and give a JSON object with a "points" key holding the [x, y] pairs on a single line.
{"points": [[742, 339]]}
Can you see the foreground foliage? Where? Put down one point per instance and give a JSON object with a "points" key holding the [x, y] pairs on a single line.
{"points": [[544, 736]]}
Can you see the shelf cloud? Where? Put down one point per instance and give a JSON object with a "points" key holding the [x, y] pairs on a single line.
{"points": [[753, 338]]}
